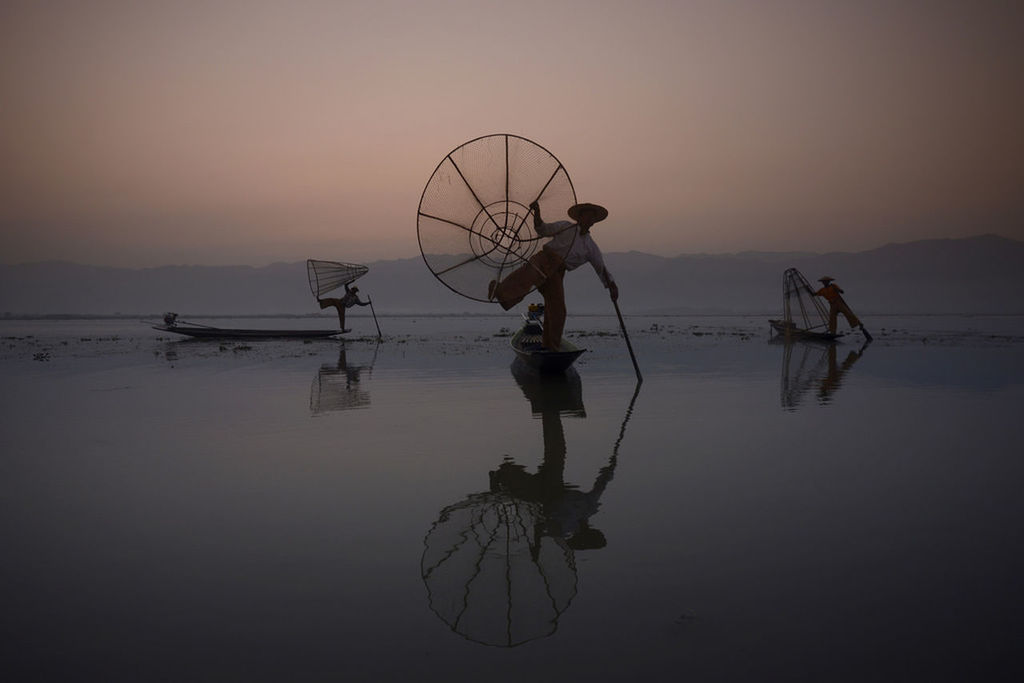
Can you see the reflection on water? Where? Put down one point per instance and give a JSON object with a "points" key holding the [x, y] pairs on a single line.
{"points": [[337, 386], [500, 566], [813, 366]]}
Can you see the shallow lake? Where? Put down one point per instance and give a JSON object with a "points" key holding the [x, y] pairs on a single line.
{"points": [[422, 508]]}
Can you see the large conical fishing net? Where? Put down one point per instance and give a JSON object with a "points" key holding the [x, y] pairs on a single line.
{"points": [[326, 276], [491, 576], [474, 222], [802, 311]]}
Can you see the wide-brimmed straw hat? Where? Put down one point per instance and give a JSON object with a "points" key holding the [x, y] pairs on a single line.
{"points": [[826, 279], [594, 212]]}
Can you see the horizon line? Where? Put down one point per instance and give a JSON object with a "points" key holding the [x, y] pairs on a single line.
{"points": [[745, 252]]}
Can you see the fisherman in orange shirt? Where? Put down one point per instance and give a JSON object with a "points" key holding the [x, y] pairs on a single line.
{"points": [[836, 305]]}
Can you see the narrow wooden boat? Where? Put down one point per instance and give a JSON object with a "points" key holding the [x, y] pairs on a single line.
{"points": [[526, 343], [204, 332], [788, 329]]}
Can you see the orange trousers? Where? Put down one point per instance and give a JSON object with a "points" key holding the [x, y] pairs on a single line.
{"points": [[546, 272], [837, 306]]}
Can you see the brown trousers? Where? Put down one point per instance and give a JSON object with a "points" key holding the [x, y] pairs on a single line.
{"points": [[339, 304], [546, 272]]}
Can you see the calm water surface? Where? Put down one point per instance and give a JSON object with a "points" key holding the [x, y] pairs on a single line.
{"points": [[422, 509]]}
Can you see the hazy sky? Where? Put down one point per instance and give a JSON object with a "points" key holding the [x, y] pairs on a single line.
{"points": [[247, 132]]}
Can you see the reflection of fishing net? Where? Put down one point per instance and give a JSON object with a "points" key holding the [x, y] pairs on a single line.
{"points": [[337, 389], [801, 310], [326, 276], [804, 365], [491, 576], [474, 222]]}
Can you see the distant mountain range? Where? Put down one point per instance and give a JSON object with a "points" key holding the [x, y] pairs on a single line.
{"points": [[972, 275]]}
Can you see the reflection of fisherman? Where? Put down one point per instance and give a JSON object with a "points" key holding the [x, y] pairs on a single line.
{"points": [[351, 371], [835, 372], [546, 269], [567, 510], [350, 299], [836, 305]]}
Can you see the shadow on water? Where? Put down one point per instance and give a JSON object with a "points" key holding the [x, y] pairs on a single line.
{"points": [[812, 367], [500, 566]]}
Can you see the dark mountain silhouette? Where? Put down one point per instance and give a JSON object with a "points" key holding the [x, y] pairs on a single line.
{"points": [[972, 275]]}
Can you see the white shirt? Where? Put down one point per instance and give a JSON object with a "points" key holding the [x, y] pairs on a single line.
{"points": [[583, 248]]}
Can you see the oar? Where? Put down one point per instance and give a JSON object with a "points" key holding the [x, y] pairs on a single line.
{"points": [[639, 377], [370, 301]]}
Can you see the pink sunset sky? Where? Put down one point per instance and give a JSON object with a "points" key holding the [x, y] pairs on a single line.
{"points": [[247, 132]]}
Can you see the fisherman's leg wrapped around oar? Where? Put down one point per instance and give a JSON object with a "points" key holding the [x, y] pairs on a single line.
{"points": [[842, 307], [338, 304], [553, 291], [523, 279]]}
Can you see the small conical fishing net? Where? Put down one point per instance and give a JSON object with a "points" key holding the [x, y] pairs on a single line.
{"points": [[326, 276], [474, 222], [802, 311], [491, 577]]}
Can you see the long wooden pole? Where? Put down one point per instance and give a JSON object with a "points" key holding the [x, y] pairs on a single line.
{"points": [[371, 302], [622, 325]]}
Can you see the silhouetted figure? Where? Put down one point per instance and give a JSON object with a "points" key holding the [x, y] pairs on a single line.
{"points": [[546, 269], [836, 305], [350, 299]]}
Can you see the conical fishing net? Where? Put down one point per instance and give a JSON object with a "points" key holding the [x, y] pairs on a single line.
{"points": [[489, 574], [326, 276], [801, 310], [474, 222]]}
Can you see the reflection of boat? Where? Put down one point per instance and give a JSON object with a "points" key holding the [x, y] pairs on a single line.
{"points": [[526, 342], [560, 393], [803, 314]]}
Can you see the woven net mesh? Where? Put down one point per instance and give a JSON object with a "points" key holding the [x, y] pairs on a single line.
{"points": [[474, 222], [800, 308], [490, 577], [326, 276]]}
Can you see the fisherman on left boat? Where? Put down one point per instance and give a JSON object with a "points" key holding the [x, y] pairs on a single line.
{"points": [[350, 299]]}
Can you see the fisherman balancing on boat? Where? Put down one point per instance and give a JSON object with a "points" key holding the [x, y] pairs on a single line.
{"points": [[836, 305], [350, 299], [546, 269]]}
